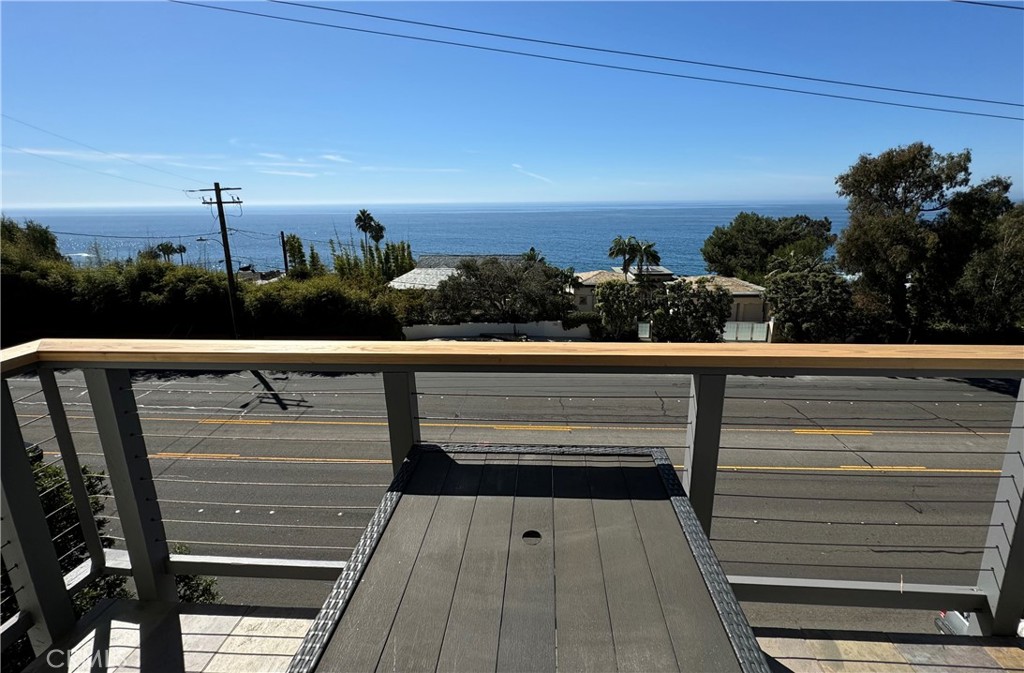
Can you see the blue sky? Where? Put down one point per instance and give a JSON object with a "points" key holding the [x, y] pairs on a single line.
{"points": [[298, 114]]}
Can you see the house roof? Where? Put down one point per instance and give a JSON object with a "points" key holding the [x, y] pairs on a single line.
{"points": [[654, 271], [432, 269], [452, 261], [598, 277], [734, 285], [422, 279]]}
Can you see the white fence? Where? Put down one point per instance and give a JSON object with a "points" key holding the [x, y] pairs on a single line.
{"points": [[745, 331]]}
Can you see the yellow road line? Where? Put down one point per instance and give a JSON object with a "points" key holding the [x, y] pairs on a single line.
{"points": [[179, 454], [229, 421], [551, 428], [174, 455], [834, 431], [859, 468]]}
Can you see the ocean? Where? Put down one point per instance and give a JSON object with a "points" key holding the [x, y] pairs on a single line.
{"points": [[566, 234]]}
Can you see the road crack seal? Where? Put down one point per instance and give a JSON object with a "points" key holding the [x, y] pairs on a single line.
{"points": [[821, 427]]}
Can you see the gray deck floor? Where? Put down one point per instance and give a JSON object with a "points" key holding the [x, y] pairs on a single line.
{"points": [[523, 562]]}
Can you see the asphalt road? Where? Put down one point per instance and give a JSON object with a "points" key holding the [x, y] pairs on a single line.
{"points": [[858, 478]]}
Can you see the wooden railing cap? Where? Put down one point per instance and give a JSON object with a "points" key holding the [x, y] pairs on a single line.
{"points": [[167, 353]]}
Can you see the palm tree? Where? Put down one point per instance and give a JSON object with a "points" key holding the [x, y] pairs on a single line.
{"points": [[365, 223], [167, 249], [626, 248], [377, 232], [532, 255], [646, 256]]}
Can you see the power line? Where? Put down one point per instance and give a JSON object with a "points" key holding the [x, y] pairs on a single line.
{"points": [[670, 59], [96, 149], [148, 238], [989, 4], [606, 66], [90, 170]]}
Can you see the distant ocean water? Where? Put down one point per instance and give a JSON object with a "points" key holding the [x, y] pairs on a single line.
{"points": [[567, 234]]}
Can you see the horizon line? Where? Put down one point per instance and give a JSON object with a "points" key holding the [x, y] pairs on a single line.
{"points": [[370, 204]]}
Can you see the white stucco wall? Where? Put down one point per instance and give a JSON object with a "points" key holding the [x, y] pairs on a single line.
{"points": [[547, 329]]}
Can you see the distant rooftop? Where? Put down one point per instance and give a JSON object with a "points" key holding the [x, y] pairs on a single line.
{"points": [[734, 285], [598, 277], [654, 271], [422, 279], [452, 261], [432, 269]]}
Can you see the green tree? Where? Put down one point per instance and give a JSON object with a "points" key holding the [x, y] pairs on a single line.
{"points": [[744, 249], [377, 232], [365, 223], [167, 250], [149, 254], [626, 248], [810, 302], [991, 287], [297, 266], [887, 239], [943, 303], [617, 302], [316, 265], [646, 256], [25, 246], [690, 312], [532, 255], [492, 290]]}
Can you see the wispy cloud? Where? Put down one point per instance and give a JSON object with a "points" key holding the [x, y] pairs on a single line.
{"points": [[283, 164], [296, 174], [336, 157], [270, 155], [85, 155], [522, 170], [405, 169], [198, 167]]}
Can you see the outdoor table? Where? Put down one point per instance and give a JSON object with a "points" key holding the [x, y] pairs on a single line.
{"points": [[485, 558]]}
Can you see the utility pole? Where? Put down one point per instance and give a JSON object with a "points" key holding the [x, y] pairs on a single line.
{"points": [[219, 202], [284, 251]]}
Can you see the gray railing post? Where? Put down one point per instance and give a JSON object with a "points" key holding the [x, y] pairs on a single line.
{"points": [[131, 479], [1004, 550], [703, 434], [31, 559], [403, 413], [79, 493]]}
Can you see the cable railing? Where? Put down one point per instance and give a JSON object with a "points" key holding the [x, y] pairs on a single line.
{"points": [[803, 486]]}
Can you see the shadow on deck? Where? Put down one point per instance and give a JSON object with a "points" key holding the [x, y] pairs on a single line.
{"points": [[124, 636]]}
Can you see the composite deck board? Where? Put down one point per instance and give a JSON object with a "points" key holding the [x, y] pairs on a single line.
{"points": [[581, 608], [519, 561], [474, 622], [359, 639], [527, 639], [700, 642], [642, 641], [416, 635]]}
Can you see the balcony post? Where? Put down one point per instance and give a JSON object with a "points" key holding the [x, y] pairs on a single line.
{"points": [[403, 414], [79, 492], [1002, 565], [131, 479], [30, 557], [703, 434]]}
